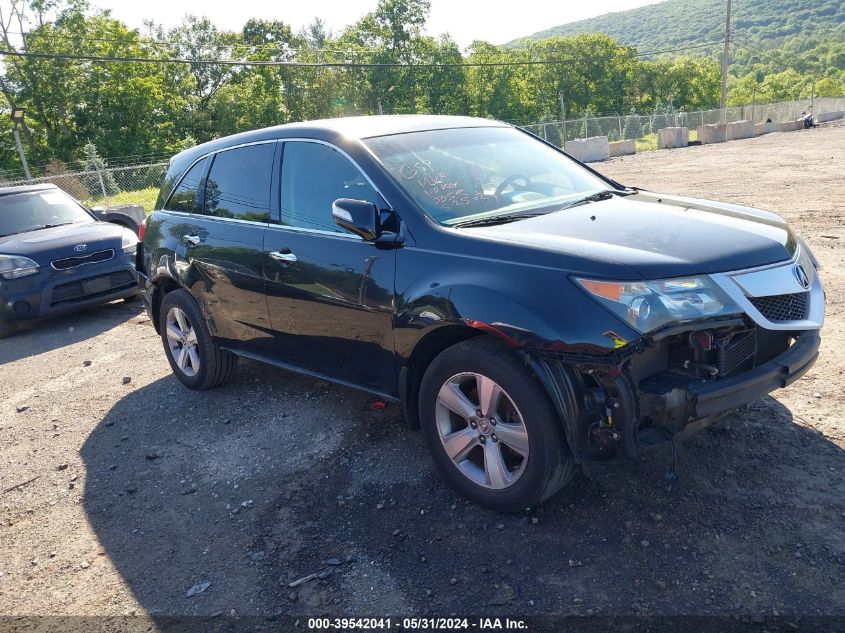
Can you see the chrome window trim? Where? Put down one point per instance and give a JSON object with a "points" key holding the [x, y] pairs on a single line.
{"points": [[202, 216], [299, 229], [203, 157], [344, 234], [815, 315], [345, 154]]}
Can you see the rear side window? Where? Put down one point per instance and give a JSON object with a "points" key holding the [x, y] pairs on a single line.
{"points": [[313, 177], [238, 185], [184, 199]]}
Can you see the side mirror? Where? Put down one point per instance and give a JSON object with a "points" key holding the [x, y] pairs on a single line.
{"points": [[357, 216]]}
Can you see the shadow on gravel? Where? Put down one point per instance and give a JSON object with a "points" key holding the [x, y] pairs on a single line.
{"points": [[38, 337], [212, 504]]}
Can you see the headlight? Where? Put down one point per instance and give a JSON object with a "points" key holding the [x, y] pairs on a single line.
{"points": [[808, 259], [129, 243], [14, 266], [647, 305]]}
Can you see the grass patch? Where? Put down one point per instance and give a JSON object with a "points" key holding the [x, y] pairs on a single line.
{"points": [[648, 143], [144, 197]]}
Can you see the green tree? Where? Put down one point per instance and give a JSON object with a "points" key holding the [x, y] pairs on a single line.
{"points": [[101, 181]]}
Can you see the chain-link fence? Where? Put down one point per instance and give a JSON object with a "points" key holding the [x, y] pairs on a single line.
{"points": [[103, 187], [640, 126]]}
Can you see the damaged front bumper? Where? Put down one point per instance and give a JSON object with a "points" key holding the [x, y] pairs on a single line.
{"points": [[660, 390], [715, 397]]}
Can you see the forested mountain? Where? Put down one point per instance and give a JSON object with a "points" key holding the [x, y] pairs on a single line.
{"points": [[675, 23]]}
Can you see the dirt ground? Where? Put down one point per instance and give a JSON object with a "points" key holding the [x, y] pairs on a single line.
{"points": [[123, 499]]}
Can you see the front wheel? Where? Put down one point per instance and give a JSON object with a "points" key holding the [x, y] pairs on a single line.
{"points": [[194, 356], [491, 428]]}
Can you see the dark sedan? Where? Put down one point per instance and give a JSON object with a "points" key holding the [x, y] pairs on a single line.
{"points": [[56, 257], [529, 314]]}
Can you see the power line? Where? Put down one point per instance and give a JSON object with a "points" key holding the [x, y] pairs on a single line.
{"points": [[164, 43], [298, 64]]}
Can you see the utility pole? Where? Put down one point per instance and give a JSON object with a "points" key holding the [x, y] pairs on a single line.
{"points": [[813, 96], [753, 101], [380, 110], [17, 117], [723, 102], [562, 120]]}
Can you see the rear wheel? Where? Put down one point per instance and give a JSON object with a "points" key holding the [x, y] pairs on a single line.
{"points": [[7, 328], [193, 354], [491, 428]]}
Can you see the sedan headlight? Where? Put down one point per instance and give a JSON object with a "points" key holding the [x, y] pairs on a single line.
{"points": [[14, 266], [647, 305], [129, 243]]}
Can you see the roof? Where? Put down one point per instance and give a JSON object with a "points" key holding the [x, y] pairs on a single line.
{"points": [[6, 191], [369, 126], [357, 127]]}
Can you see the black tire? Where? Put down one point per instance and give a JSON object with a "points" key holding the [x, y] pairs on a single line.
{"points": [[7, 328], [549, 465], [216, 366]]}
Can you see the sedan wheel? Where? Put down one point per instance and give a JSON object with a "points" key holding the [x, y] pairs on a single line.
{"points": [[482, 431], [182, 341]]}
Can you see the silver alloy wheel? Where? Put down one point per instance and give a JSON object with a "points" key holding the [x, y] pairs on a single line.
{"points": [[481, 430], [182, 341]]}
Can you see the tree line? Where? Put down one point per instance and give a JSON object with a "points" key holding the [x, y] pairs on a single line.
{"points": [[148, 108]]}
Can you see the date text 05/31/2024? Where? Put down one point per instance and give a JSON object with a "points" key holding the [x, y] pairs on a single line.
{"points": [[417, 624]]}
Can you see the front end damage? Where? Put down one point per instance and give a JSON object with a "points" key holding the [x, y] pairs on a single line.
{"points": [[674, 381], [670, 384]]}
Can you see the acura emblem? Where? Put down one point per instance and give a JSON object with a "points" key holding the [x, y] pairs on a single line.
{"points": [[80, 247], [801, 276]]}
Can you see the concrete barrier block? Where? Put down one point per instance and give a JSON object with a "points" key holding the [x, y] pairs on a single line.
{"points": [[739, 130], [791, 126], [764, 128], [623, 148], [670, 137], [716, 133], [829, 116], [589, 150]]}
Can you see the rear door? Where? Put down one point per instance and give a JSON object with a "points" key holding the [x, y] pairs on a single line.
{"points": [[329, 293], [224, 247]]}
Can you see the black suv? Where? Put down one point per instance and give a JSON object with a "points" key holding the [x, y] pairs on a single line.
{"points": [[528, 313]]}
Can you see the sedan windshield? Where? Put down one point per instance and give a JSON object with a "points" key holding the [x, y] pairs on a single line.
{"points": [[34, 210], [465, 174]]}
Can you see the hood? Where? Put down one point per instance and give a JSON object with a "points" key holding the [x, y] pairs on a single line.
{"points": [[655, 235], [47, 245]]}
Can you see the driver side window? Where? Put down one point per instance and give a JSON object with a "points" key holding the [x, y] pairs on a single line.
{"points": [[313, 177]]}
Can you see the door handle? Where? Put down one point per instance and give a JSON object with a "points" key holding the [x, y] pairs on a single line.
{"points": [[283, 256], [193, 240]]}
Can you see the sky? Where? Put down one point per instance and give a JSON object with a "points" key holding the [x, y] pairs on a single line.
{"points": [[496, 21]]}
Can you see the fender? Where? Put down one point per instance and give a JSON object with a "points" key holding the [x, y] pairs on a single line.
{"points": [[464, 310]]}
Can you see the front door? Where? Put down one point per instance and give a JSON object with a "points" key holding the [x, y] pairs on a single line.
{"points": [[329, 293]]}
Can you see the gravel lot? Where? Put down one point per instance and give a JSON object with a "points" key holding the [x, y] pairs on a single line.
{"points": [[124, 496]]}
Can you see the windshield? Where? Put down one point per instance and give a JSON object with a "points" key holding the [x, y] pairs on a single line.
{"points": [[33, 210], [464, 173]]}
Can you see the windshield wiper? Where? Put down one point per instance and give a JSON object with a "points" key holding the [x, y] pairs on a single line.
{"points": [[496, 219], [39, 227], [598, 196]]}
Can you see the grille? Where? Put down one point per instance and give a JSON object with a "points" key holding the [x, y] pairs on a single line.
{"points": [[792, 307], [92, 288], [93, 258], [736, 353]]}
